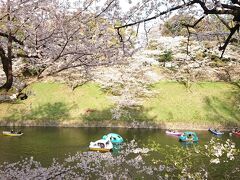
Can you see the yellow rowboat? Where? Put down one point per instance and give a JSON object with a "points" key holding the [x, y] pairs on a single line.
{"points": [[9, 133], [102, 145], [100, 149]]}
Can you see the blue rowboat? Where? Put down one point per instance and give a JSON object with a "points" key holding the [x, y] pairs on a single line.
{"points": [[216, 132]]}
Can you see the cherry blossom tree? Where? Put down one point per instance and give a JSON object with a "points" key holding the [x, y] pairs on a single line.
{"points": [[52, 36], [228, 12]]}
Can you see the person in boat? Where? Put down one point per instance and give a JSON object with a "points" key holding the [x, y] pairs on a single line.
{"points": [[190, 137], [101, 145], [236, 130], [12, 131], [171, 130]]}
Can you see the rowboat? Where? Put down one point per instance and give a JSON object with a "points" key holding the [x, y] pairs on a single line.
{"points": [[188, 137], [9, 133], [174, 133], [216, 132], [101, 145], [114, 138], [236, 133]]}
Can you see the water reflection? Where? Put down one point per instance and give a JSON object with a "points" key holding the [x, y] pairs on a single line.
{"points": [[188, 144], [46, 143]]}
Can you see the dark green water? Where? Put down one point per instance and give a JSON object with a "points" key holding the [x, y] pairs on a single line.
{"points": [[46, 143]]}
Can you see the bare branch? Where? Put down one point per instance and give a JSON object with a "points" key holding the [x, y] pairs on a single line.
{"points": [[195, 23], [214, 10], [119, 35], [13, 38], [15, 10], [2, 53], [105, 9], [158, 15], [235, 2], [233, 7], [232, 32], [223, 21], [189, 33]]}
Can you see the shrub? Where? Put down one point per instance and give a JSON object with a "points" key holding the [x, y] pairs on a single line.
{"points": [[167, 56]]}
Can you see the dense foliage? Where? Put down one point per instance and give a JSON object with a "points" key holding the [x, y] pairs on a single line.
{"points": [[54, 36], [50, 37]]}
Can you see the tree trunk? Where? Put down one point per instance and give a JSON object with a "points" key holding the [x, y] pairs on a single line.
{"points": [[7, 68], [7, 59]]}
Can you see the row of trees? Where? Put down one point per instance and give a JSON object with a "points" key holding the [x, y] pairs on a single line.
{"points": [[228, 12], [53, 37]]}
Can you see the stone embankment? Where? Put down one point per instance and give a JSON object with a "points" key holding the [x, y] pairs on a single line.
{"points": [[116, 124]]}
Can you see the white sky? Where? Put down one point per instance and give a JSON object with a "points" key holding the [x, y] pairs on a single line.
{"points": [[125, 7], [123, 3]]}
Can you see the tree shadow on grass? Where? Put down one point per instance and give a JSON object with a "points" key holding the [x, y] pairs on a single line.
{"points": [[225, 112], [44, 113], [136, 117], [131, 114]]}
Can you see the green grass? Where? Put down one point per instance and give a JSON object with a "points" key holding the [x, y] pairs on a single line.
{"points": [[204, 103], [53, 101]]}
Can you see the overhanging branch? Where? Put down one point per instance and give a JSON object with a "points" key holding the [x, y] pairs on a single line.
{"points": [[192, 26], [232, 32], [13, 38], [156, 16], [224, 22], [105, 9]]}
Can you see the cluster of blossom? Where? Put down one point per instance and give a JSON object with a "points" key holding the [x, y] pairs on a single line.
{"points": [[52, 37], [127, 162], [85, 165], [131, 85], [217, 150], [198, 161]]}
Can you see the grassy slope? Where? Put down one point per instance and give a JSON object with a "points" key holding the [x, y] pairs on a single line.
{"points": [[52, 101], [205, 103]]}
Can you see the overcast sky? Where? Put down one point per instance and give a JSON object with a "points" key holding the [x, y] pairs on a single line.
{"points": [[123, 3], [125, 6]]}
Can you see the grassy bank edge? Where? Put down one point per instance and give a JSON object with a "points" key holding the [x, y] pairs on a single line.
{"points": [[118, 124]]}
